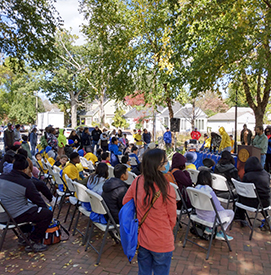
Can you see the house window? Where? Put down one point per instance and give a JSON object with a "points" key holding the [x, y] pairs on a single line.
{"points": [[88, 121], [166, 121], [202, 124], [96, 119]]}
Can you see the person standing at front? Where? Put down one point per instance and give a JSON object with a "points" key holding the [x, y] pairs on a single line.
{"points": [[261, 141], [167, 137], [155, 238]]}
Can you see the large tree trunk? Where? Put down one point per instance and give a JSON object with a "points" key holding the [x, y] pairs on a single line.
{"points": [[260, 107], [73, 111]]}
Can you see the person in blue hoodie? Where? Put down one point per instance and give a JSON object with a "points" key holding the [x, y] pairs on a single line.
{"points": [[114, 149], [167, 138]]}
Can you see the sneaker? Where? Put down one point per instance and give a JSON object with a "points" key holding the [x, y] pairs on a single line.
{"points": [[37, 247], [208, 230], [220, 236]]}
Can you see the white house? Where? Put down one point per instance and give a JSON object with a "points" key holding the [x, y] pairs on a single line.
{"points": [[92, 112], [162, 119], [245, 115]]}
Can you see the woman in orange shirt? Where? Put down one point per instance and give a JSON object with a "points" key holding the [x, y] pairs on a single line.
{"points": [[156, 240]]}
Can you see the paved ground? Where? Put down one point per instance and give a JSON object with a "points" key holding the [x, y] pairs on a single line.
{"points": [[69, 257]]}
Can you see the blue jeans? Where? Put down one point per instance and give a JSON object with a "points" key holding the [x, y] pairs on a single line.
{"points": [[227, 148], [149, 261], [263, 158], [93, 145]]}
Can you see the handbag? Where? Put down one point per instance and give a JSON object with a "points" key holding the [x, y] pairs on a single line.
{"points": [[129, 225]]}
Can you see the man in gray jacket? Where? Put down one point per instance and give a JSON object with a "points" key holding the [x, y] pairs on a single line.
{"points": [[261, 141], [16, 189]]}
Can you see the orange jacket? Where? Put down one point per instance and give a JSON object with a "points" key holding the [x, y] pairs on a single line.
{"points": [[156, 233]]}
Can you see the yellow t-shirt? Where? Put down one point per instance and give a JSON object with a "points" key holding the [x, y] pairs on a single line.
{"points": [[45, 171], [92, 157], [79, 167], [51, 161], [191, 166], [138, 137], [71, 171]]}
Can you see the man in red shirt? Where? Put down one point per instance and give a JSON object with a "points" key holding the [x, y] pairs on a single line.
{"points": [[195, 134]]}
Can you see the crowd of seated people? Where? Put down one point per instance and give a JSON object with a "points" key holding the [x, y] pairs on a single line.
{"points": [[154, 173]]}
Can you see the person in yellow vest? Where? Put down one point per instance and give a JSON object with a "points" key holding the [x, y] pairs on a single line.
{"points": [[90, 156], [138, 138], [70, 169], [225, 144], [39, 158]]}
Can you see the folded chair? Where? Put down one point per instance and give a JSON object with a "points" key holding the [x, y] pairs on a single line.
{"points": [[183, 211], [193, 175], [224, 194], [11, 224], [99, 206], [110, 172], [203, 201], [248, 190], [131, 178]]}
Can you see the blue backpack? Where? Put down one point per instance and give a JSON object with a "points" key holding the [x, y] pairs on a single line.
{"points": [[128, 229], [129, 225]]}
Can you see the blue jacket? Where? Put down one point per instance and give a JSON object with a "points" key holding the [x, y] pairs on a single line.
{"points": [[269, 146], [33, 139], [167, 137], [115, 149]]}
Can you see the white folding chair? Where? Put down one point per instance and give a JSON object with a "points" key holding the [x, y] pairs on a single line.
{"points": [[224, 194], [183, 211], [110, 172], [193, 175], [86, 163], [82, 197], [99, 206], [203, 201], [11, 224], [60, 194], [248, 190], [131, 178], [72, 199], [133, 161], [57, 169]]}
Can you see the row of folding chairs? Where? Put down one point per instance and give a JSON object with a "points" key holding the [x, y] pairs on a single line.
{"points": [[203, 201], [84, 195]]}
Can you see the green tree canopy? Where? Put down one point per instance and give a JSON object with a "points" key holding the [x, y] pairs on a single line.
{"points": [[27, 31]]}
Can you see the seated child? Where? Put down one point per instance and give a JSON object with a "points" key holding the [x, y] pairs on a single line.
{"points": [[105, 158], [126, 161], [133, 155], [40, 164], [61, 163], [204, 184], [191, 157], [90, 156]]}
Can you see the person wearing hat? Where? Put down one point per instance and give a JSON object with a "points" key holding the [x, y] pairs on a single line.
{"points": [[167, 137], [70, 169], [191, 157], [8, 137], [181, 176], [226, 167], [195, 134], [225, 144], [16, 190]]}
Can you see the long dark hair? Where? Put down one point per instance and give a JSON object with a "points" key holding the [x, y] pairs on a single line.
{"points": [[204, 178], [100, 172], [152, 159]]}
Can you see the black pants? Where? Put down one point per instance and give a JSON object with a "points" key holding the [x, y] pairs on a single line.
{"points": [[268, 162], [41, 217], [41, 187], [240, 213]]}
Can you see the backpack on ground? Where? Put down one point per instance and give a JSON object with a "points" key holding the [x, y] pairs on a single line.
{"points": [[53, 233]]}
